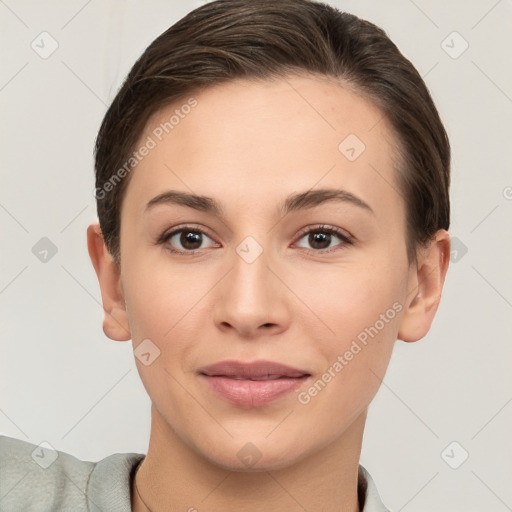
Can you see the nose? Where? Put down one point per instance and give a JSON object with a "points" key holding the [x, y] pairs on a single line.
{"points": [[251, 300]]}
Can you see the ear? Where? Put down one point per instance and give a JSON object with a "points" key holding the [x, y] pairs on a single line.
{"points": [[115, 320], [426, 280]]}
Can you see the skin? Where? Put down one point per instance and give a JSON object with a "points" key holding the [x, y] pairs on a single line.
{"points": [[249, 145]]}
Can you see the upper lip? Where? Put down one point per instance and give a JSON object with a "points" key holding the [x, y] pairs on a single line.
{"points": [[254, 369]]}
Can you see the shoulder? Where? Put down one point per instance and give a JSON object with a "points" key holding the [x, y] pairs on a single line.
{"points": [[31, 474], [36, 478]]}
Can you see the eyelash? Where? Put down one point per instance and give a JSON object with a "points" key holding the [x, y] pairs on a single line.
{"points": [[331, 230]]}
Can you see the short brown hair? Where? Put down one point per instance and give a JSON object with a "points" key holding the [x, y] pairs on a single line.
{"points": [[264, 39]]}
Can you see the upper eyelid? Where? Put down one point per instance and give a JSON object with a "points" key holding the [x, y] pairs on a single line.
{"points": [[303, 231], [326, 227], [191, 227]]}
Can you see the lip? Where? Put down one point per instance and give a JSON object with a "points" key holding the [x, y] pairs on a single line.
{"points": [[252, 384]]}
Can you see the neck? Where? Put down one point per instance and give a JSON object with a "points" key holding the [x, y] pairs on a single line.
{"points": [[175, 477]]}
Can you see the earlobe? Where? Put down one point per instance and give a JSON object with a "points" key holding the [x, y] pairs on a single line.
{"points": [[425, 288], [115, 321]]}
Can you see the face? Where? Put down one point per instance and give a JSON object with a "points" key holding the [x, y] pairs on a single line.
{"points": [[272, 302]]}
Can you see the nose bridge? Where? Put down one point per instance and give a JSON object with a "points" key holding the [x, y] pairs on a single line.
{"points": [[250, 295], [251, 276]]}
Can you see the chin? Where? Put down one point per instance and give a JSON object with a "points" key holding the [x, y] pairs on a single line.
{"points": [[257, 456], [264, 464]]}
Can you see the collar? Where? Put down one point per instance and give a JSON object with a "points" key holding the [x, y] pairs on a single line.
{"points": [[110, 483]]}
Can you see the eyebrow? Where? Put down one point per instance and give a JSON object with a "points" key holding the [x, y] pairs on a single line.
{"points": [[294, 202]]}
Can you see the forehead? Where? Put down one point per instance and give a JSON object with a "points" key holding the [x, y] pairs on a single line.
{"points": [[253, 142]]}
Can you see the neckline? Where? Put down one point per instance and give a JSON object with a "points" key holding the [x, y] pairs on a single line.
{"points": [[362, 485]]}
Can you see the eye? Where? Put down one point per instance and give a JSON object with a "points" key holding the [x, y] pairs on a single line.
{"points": [[321, 238], [190, 239]]}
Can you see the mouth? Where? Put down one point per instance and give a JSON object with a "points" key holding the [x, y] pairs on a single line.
{"points": [[252, 384]]}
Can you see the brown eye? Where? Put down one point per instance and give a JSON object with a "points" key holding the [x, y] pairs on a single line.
{"points": [[324, 239], [186, 240], [320, 240], [190, 240]]}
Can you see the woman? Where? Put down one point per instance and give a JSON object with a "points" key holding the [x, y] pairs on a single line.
{"points": [[272, 190]]}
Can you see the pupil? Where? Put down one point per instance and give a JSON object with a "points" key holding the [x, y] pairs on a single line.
{"points": [[191, 238], [319, 238]]}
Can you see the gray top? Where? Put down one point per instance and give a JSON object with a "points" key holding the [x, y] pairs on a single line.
{"points": [[37, 478]]}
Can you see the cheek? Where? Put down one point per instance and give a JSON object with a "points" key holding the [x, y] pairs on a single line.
{"points": [[360, 312], [346, 300], [164, 306], [166, 302], [362, 304]]}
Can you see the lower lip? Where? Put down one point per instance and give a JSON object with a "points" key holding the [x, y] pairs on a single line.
{"points": [[252, 393]]}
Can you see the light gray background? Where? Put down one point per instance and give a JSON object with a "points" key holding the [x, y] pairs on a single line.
{"points": [[64, 382]]}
